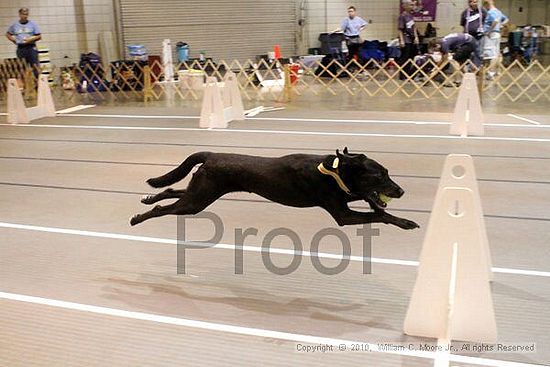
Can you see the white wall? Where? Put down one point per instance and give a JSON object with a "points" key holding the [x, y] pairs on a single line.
{"points": [[69, 27], [532, 11]]}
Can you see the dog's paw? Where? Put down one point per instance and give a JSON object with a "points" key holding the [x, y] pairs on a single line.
{"points": [[148, 199], [406, 224], [153, 182], [135, 220]]}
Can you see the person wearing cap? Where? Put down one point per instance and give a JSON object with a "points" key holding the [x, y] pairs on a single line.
{"points": [[25, 33], [408, 38]]}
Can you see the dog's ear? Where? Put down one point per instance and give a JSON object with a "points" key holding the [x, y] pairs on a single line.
{"points": [[348, 160], [346, 153], [352, 155]]}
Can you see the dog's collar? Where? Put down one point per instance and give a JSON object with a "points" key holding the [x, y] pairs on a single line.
{"points": [[335, 174]]}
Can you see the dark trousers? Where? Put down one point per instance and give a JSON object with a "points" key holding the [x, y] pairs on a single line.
{"points": [[408, 52], [354, 45], [465, 52], [29, 53]]}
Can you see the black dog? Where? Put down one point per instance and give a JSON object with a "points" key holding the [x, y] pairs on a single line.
{"points": [[299, 180]]}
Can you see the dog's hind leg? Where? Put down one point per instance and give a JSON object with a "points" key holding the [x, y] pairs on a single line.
{"points": [[201, 192], [157, 211], [166, 194], [186, 205]]}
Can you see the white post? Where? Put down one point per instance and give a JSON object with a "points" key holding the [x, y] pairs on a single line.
{"points": [[212, 112], [232, 96], [167, 62], [459, 171], [17, 113], [45, 100], [433, 311], [468, 115]]}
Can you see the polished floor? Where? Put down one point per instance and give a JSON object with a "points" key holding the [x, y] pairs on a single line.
{"points": [[79, 286]]}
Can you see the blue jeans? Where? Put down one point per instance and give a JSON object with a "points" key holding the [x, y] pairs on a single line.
{"points": [[476, 56]]}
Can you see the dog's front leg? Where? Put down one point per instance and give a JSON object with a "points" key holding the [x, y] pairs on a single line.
{"points": [[399, 222], [345, 216]]}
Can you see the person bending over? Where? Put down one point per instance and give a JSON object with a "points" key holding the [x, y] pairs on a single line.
{"points": [[455, 49]]}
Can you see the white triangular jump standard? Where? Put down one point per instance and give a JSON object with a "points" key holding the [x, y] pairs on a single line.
{"points": [[459, 171], [221, 104], [468, 115], [452, 299], [18, 113]]}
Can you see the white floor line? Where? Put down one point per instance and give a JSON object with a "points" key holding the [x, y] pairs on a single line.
{"points": [[442, 356], [224, 246], [75, 108], [3, 114], [241, 330], [534, 124], [303, 120], [284, 132], [169, 117], [524, 119], [403, 122]]}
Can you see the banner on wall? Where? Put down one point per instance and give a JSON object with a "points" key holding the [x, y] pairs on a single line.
{"points": [[423, 10]]}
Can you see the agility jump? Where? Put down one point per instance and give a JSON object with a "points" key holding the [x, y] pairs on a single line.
{"points": [[18, 113]]}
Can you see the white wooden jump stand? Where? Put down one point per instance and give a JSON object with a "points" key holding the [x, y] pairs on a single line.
{"points": [[468, 115], [221, 104], [452, 299], [18, 113]]}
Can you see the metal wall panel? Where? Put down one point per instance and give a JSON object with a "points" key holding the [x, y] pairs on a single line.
{"points": [[223, 29]]}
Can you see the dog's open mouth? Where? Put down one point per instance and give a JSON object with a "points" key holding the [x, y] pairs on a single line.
{"points": [[379, 200]]}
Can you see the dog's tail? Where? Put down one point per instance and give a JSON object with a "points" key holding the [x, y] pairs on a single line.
{"points": [[180, 172]]}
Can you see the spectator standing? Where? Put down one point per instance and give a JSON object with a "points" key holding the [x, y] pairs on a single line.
{"points": [[472, 20], [491, 40], [408, 38], [352, 26], [25, 33]]}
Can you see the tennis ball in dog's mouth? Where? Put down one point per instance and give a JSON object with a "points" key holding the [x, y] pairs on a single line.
{"points": [[383, 198]]}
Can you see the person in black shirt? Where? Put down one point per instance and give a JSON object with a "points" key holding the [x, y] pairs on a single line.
{"points": [[472, 20], [408, 38]]}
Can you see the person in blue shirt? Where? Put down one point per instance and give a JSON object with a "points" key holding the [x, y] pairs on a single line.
{"points": [[25, 33], [352, 26], [491, 40]]}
